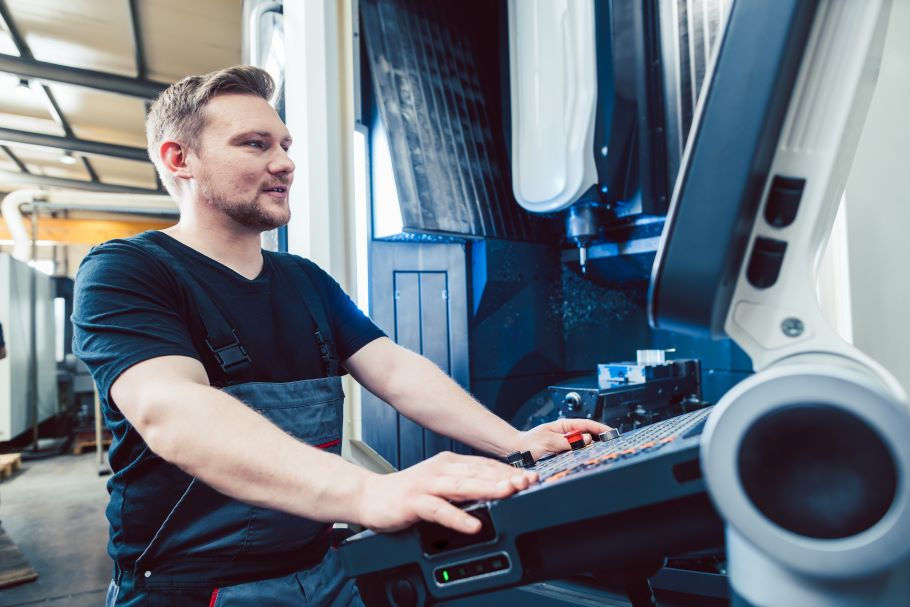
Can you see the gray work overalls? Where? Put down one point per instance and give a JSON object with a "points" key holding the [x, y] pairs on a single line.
{"points": [[217, 551]]}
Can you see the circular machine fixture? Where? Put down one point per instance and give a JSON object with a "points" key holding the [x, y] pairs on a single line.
{"points": [[809, 464], [573, 401], [841, 469]]}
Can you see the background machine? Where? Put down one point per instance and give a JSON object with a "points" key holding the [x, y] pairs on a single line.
{"points": [[800, 470], [462, 272]]}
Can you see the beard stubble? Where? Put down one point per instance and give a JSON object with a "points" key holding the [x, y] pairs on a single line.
{"points": [[250, 213]]}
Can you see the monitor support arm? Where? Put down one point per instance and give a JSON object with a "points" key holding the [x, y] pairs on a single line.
{"points": [[808, 460]]}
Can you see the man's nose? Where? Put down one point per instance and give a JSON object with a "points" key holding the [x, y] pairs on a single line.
{"points": [[281, 164]]}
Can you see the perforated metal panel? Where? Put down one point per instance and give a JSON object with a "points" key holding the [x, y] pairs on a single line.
{"points": [[435, 74]]}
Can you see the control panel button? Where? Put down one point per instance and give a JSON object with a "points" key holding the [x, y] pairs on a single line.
{"points": [[402, 591], [576, 440], [604, 437]]}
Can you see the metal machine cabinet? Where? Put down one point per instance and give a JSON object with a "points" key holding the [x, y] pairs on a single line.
{"points": [[418, 295], [16, 412]]}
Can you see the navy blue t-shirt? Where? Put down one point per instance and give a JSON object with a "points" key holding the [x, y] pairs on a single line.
{"points": [[129, 307]]}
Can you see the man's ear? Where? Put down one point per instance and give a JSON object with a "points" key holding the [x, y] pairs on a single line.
{"points": [[173, 157]]}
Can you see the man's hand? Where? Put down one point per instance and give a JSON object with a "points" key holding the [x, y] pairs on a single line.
{"points": [[550, 438], [423, 492], [2, 352]]}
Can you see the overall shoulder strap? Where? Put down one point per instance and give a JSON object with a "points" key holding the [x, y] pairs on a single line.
{"points": [[315, 305], [221, 338]]}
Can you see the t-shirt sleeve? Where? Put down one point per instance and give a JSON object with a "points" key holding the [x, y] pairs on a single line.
{"points": [[2, 343], [351, 328], [125, 311]]}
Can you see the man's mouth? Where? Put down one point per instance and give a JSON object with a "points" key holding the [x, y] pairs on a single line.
{"points": [[278, 188]]}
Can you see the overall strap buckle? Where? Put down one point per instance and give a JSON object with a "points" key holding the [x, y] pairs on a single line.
{"points": [[231, 356], [329, 358]]}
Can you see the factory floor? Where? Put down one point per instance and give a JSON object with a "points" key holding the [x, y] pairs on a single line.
{"points": [[53, 510]]}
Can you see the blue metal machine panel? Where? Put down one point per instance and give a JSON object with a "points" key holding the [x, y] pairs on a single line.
{"points": [[407, 334], [419, 298], [434, 327]]}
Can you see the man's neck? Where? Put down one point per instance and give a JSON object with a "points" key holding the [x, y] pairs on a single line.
{"points": [[223, 240]]}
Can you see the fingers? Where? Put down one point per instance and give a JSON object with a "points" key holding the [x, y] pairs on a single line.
{"points": [[461, 478], [437, 510], [478, 467], [551, 437], [463, 489], [424, 490], [588, 426]]}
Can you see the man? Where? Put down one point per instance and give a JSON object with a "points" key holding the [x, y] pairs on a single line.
{"points": [[218, 366]]}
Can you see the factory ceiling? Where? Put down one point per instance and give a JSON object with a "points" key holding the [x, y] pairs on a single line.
{"points": [[76, 77]]}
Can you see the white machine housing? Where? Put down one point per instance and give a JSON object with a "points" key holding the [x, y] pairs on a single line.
{"points": [[553, 77], [799, 358]]}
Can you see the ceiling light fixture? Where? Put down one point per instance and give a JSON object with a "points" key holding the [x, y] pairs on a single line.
{"points": [[68, 158]]}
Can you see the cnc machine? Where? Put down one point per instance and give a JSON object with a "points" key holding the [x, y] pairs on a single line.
{"points": [[800, 470]]}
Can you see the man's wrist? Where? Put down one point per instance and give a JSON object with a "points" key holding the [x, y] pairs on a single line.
{"points": [[513, 442], [359, 497]]}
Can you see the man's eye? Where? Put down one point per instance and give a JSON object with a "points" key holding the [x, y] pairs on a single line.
{"points": [[255, 144]]}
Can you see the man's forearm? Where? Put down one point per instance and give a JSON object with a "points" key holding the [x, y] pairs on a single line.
{"points": [[452, 411], [211, 435]]}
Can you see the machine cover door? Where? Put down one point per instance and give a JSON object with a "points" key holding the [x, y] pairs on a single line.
{"points": [[553, 72]]}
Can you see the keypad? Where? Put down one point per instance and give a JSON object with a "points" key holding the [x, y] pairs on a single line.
{"points": [[643, 440]]}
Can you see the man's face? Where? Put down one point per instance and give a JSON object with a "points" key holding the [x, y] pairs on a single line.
{"points": [[241, 163]]}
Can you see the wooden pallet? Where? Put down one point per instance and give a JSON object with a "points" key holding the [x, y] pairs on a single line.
{"points": [[87, 441], [9, 463], [14, 569]]}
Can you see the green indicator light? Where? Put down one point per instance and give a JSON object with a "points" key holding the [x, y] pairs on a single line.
{"points": [[445, 575]]}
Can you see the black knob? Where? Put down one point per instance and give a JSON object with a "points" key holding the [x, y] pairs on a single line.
{"points": [[402, 593], [611, 434]]}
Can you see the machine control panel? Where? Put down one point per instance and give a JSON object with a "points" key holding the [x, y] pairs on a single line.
{"points": [[645, 440], [648, 485]]}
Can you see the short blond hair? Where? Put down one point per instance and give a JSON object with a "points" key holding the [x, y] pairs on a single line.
{"points": [[178, 113]]}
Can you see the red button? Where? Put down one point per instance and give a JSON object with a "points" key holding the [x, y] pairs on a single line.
{"points": [[576, 439]]}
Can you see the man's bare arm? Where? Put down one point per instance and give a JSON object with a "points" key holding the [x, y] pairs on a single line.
{"points": [[213, 436], [421, 391]]}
